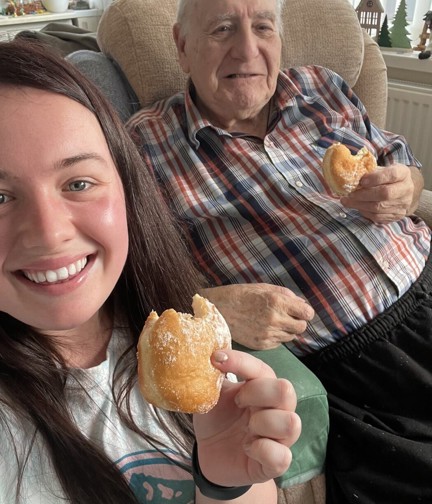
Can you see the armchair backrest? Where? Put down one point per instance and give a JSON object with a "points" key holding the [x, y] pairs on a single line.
{"points": [[137, 34]]}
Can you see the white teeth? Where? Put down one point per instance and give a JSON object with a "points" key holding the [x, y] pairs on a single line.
{"points": [[51, 276], [57, 275], [40, 277]]}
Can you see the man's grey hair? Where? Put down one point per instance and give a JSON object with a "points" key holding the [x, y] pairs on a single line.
{"points": [[183, 12]]}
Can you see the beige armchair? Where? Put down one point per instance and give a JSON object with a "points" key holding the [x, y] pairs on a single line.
{"points": [[137, 35]]}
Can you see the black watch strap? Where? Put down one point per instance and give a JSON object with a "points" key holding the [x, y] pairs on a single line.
{"points": [[209, 489]]}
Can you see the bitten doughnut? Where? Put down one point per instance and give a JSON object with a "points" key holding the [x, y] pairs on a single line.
{"points": [[343, 171], [174, 350]]}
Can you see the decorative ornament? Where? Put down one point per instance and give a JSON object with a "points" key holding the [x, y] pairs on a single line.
{"points": [[425, 34], [384, 39], [398, 32], [369, 15]]}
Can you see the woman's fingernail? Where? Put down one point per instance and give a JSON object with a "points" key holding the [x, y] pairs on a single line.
{"points": [[220, 356], [247, 446]]}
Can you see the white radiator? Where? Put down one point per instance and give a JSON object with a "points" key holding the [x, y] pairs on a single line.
{"points": [[409, 113]]}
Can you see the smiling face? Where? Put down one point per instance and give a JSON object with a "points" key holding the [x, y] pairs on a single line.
{"points": [[63, 224], [232, 50]]}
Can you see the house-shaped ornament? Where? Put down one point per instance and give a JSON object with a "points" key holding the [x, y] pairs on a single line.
{"points": [[369, 13]]}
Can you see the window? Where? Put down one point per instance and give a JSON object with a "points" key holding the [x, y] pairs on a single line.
{"points": [[416, 9]]}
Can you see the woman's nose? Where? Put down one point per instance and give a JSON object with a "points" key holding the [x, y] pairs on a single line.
{"points": [[46, 224]]}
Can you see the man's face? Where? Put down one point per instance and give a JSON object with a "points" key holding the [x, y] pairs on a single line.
{"points": [[231, 49]]}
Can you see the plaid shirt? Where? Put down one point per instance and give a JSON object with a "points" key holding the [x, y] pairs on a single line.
{"points": [[260, 211]]}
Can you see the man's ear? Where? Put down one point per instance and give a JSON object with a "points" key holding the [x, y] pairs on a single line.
{"points": [[180, 42]]}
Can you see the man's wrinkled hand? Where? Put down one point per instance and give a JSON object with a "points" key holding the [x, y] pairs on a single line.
{"points": [[387, 194], [261, 316]]}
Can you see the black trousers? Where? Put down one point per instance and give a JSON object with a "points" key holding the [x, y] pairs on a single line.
{"points": [[379, 383]]}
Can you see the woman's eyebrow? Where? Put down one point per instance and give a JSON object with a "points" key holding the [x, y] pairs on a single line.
{"points": [[70, 161], [63, 163]]}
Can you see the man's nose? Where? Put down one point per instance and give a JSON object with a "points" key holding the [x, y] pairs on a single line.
{"points": [[245, 44]]}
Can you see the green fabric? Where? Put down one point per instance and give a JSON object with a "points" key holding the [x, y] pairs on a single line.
{"points": [[312, 407]]}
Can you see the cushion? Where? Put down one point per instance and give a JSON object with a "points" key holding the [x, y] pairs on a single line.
{"points": [[371, 86], [137, 35], [64, 38], [325, 33], [310, 450], [105, 73]]}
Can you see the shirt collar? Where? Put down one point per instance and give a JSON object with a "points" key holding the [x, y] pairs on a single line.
{"points": [[285, 92], [195, 121], [283, 98]]}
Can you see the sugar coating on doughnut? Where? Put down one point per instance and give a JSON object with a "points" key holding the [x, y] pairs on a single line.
{"points": [[174, 368], [343, 171]]}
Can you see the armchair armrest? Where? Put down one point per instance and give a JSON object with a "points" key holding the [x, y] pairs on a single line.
{"points": [[425, 207]]}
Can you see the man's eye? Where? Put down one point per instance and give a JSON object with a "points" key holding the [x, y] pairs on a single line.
{"points": [[223, 29], [265, 28], [79, 185]]}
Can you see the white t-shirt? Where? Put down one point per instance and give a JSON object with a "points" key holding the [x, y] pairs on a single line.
{"points": [[152, 477]]}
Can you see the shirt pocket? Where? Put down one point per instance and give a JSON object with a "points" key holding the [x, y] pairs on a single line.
{"points": [[353, 140]]}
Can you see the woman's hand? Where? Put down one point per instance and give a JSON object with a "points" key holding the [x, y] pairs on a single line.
{"points": [[261, 316], [246, 437]]}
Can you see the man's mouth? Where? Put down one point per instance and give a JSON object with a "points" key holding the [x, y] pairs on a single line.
{"points": [[240, 76], [57, 275]]}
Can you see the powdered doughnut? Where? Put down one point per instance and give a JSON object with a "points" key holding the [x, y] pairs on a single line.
{"points": [[174, 350], [343, 171]]}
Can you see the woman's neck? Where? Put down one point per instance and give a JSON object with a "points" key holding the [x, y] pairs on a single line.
{"points": [[84, 347]]}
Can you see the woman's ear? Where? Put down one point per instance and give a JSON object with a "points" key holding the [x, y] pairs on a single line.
{"points": [[180, 42]]}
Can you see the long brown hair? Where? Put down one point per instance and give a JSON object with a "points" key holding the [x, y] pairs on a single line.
{"points": [[158, 274]]}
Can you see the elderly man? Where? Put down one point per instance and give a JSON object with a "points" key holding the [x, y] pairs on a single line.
{"points": [[345, 283]]}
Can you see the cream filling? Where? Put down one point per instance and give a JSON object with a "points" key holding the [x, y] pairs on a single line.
{"points": [[57, 275]]}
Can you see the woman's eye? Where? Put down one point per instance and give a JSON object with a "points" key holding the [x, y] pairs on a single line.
{"points": [[79, 185], [4, 198]]}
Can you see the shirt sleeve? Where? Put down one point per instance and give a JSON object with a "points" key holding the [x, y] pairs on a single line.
{"points": [[390, 147]]}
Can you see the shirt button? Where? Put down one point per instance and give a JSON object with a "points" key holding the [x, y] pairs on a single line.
{"points": [[342, 214], [299, 184], [386, 265]]}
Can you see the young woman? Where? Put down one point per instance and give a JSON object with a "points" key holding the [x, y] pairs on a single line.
{"points": [[87, 250]]}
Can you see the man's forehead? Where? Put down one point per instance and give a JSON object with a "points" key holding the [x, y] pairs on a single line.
{"points": [[236, 8], [230, 15]]}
